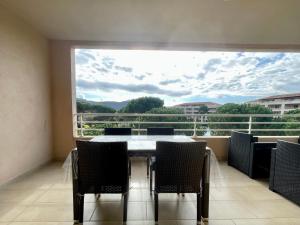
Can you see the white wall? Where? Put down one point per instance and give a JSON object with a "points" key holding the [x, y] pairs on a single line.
{"points": [[25, 116]]}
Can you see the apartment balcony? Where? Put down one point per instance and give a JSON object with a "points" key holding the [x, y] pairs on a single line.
{"points": [[40, 126]]}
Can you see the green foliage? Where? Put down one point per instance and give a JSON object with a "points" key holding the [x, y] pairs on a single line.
{"points": [[142, 105], [232, 108], [87, 107], [292, 126], [185, 122]]}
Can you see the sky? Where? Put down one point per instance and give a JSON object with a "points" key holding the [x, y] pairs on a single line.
{"points": [[184, 76]]}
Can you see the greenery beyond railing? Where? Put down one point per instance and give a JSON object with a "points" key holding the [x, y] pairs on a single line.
{"points": [[93, 124]]}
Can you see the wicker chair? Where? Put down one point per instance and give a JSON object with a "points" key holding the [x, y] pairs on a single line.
{"points": [[99, 168], [160, 131], [249, 156], [285, 170], [117, 131], [157, 131], [179, 169]]}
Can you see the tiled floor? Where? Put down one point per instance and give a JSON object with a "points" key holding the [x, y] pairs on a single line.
{"points": [[44, 198]]}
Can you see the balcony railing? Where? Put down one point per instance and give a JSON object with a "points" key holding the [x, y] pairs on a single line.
{"points": [[93, 124]]}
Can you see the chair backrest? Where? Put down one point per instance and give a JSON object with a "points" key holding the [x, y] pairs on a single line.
{"points": [[102, 167], [160, 131], [179, 166], [117, 131], [239, 150]]}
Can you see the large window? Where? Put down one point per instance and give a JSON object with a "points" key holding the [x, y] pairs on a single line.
{"points": [[166, 82]]}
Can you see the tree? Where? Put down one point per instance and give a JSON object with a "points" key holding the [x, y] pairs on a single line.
{"points": [[142, 105], [290, 125], [185, 122], [88, 107], [232, 108]]}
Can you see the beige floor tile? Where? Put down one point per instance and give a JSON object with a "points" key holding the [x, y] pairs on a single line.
{"points": [[277, 221], [56, 196], [173, 210], [41, 223], [275, 209], [20, 196], [113, 211], [62, 185], [219, 222], [230, 210], [8, 212], [243, 193], [52, 213], [44, 197]]}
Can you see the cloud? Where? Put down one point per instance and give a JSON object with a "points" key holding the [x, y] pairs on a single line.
{"points": [[140, 77], [124, 68], [212, 64], [83, 57], [108, 62], [206, 74], [166, 82], [188, 77], [98, 67], [200, 76], [143, 88]]}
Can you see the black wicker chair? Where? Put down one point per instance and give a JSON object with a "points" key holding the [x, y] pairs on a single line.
{"points": [[249, 156], [117, 131], [160, 131], [157, 131], [285, 170], [99, 168], [179, 169]]}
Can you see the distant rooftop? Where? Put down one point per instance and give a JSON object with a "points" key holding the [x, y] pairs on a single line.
{"points": [[208, 104], [294, 95]]}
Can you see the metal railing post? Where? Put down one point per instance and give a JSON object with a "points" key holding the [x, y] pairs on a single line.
{"points": [[139, 127], [195, 126], [81, 127], [250, 125]]}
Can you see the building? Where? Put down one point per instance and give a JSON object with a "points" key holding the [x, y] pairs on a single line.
{"points": [[194, 107], [280, 104]]}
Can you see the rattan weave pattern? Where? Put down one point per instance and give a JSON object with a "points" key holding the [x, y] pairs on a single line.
{"points": [[286, 171], [103, 167], [179, 167]]}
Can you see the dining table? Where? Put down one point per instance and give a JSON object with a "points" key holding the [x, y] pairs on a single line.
{"points": [[145, 146]]}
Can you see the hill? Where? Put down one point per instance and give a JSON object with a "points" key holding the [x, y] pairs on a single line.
{"points": [[109, 104]]}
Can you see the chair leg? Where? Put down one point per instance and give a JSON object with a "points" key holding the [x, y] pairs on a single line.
{"points": [[81, 208], [199, 204], [75, 207], [125, 207], [156, 206], [148, 165]]}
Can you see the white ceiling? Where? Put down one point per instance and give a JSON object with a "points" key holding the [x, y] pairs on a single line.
{"points": [[177, 21]]}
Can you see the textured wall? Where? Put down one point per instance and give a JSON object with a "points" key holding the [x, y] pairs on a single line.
{"points": [[25, 115]]}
